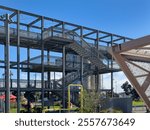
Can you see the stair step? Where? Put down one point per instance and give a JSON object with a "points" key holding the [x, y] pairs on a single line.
{"points": [[82, 52]]}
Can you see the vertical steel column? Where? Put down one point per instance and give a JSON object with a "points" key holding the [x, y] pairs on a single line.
{"points": [[112, 76], [28, 74], [81, 74], [42, 61], [124, 39], [55, 80], [18, 62], [63, 75], [35, 81], [7, 64], [28, 71], [63, 29], [97, 46], [48, 77], [48, 73]]}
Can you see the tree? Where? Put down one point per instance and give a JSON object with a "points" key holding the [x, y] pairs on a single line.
{"points": [[129, 90], [91, 101]]}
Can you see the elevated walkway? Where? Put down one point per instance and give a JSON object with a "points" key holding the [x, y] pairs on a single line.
{"points": [[53, 40]]}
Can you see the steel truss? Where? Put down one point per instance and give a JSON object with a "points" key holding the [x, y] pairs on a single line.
{"points": [[134, 59]]}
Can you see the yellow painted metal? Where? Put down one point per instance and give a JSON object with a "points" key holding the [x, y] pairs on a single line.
{"points": [[81, 94], [69, 101]]}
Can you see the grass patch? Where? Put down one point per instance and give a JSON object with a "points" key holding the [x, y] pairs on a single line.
{"points": [[13, 110], [137, 103]]}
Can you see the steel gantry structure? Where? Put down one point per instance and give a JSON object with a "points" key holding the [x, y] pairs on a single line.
{"points": [[83, 53]]}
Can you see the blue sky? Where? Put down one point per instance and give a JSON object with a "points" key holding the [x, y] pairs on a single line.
{"points": [[125, 17], [129, 18]]}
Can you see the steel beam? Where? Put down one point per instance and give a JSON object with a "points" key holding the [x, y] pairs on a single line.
{"points": [[112, 76], [146, 83], [42, 61], [63, 29], [135, 58], [7, 64], [22, 24], [121, 38], [75, 29], [81, 60], [49, 28], [48, 73], [48, 76], [136, 65], [18, 62], [28, 74], [7, 8], [106, 36], [90, 33], [90, 38], [33, 22], [13, 14], [133, 44], [63, 76], [97, 77]]}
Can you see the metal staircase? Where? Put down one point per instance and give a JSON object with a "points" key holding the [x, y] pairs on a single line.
{"points": [[71, 78], [84, 49], [79, 45]]}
